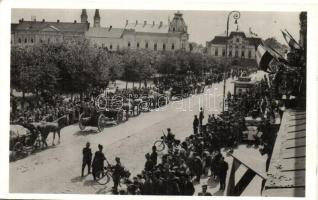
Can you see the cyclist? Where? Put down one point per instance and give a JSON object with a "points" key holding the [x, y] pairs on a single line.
{"points": [[170, 138]]}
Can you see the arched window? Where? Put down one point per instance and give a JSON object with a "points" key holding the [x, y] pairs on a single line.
{"points": [[243, 53], [173, 29], [25, 40], [155, 46], [146, 45], [138, 45], [19, 40], [31, 40], [128, 44], [164, 47], [216, 53], [172, 46], [223, 52]]}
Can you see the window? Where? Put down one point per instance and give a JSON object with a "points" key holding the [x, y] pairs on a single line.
{"points": [[48, 40], [230, 53], [41, 41], [190, 47], [249, 54], [223, 52], [164, 47], [237, 40], [146, 45], [173, 29], [19, 40], [236, 53], [155, 46], [31, 40], [243, 53], [128, 44], [137, 45], [111, 47], [216, 52], [25, 40], [172, 46]]}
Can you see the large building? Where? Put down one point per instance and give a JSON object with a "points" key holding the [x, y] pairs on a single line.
{"points": [[134, 35], [32, 32], [141, 35], [239, 46]]}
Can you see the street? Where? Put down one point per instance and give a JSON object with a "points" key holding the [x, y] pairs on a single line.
{"points": [[58, 168]]}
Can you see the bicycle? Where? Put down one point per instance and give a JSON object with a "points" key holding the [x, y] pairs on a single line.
{"points": [[161, 144], [104, 175]]}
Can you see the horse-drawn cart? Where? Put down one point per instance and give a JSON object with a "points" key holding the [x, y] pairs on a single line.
{"points": [[22, 141], [101, 118]]}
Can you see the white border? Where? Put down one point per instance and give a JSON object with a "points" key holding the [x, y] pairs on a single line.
{"points": [[247, 5]]}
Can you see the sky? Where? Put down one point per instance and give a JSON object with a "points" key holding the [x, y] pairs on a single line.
{"points": [[202, 25]]}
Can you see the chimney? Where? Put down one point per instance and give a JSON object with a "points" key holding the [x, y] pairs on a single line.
{"points": [[160, 24], [74, 21], [145, 23], [33, 18], [58, 21], [110, 27], [43, 20]]}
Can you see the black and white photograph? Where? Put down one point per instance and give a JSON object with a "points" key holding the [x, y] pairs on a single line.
{"points": [[161, 102]]}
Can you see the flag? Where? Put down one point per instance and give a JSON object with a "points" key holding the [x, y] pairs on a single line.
{"points": [[290, 41], [263, 57]]}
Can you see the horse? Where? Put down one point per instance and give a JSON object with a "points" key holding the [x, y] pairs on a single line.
{"points": [[46, 128]]}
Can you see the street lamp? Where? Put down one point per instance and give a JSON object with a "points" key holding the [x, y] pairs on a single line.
{"points": [[236, 15]]}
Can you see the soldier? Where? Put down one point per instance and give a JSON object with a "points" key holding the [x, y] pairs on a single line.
{"points": [[154, 155], [204, 191], [195, 124], [201, 116], [118, 170], [223, 167], [87, 158]]}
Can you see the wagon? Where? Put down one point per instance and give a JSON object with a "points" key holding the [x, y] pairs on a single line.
{"points": [[22, 141], [101, 118]]}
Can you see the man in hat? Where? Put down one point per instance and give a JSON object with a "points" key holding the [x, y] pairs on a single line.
{"points": [[204, 191], [87, 158]]}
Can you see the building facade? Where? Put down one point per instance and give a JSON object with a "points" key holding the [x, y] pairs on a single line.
{"points": [[134, 35], [141, 35], [33, 32], [239, 46]]}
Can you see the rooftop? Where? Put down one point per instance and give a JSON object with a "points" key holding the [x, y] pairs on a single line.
{"points": [[148, 27], [107, 32], [57, 26]]}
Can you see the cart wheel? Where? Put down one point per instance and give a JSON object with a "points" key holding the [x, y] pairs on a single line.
{"points": [[80, 122], [102, 177], [101, 122], [159, 144]]}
